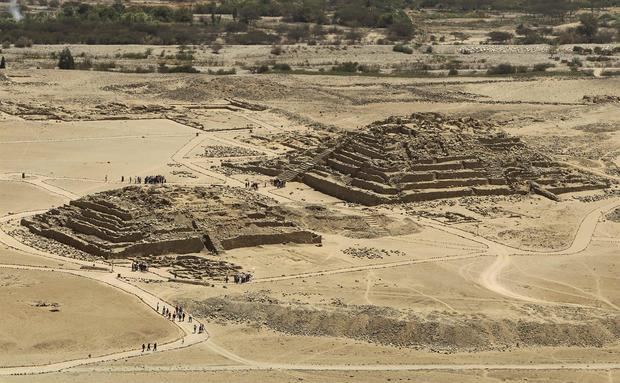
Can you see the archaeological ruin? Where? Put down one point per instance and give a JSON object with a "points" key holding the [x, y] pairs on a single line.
{"points": [[422, 157], [156, 220]]}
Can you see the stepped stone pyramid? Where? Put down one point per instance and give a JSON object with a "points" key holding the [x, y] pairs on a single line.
{"points": [[426, 156], [163, 219]]}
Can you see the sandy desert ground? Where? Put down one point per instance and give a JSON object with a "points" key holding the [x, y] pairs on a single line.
{"points": [[522, 288]]}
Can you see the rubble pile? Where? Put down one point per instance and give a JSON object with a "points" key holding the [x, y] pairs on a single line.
{"points": [[220, 151], [156, 220], [370, 252], [190, 267], [601, 99], [425, 157]]}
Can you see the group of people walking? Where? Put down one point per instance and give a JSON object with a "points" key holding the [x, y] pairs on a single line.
{"points": [[279, 183], [200, 328], [178, 314], [148, 347], [158, 179], [241, 278], [251, 185], [155, 179], [139, 266]]}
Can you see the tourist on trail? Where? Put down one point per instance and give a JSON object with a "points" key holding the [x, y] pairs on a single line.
{"points": [[194, 329], [106, 178], [143, 346], [183, 317], [154, 346], [122, 178], [157, 306], [190, 319], [148, 347]]}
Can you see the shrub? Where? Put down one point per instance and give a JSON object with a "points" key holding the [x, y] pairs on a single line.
{"points": [[216, 48], [609, 73], [348, 67], [147, 69], [542, 67], [575, 63], [282, 67], [135, 55], [184, 54], [65, 59], [402, 49], [86, 64], [187, 68], [104, 66], [253, 38], [499, 36], [365, 68], [261, 69], [6, 44], [23, 42], [401, 27], [276, 50], [453, 72], [502, 69], [220, 72]]}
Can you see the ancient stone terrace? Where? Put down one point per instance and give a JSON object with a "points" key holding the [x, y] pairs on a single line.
{"points": [[156, 220], [423, 157]]}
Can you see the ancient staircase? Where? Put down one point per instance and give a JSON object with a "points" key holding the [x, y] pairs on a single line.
{"points": [[375, 226], [291, 174]]}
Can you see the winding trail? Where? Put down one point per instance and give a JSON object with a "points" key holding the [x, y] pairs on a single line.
{"points": [[376, 266], [490, 277], [189, 338]]}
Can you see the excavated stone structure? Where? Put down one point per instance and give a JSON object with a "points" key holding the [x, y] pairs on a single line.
{"points": [[426, 156], [156, 220]]}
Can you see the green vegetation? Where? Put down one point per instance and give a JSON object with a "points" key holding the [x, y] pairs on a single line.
{"points": [[542, 67], [74, 22], [504, 69], [402, 48], [185, 68], [223, 71], [65, 60], [135, 55], [282, 67], [499, 36]]}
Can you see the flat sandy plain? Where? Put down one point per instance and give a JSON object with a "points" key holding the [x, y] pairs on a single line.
{"points": [[548, 266]]}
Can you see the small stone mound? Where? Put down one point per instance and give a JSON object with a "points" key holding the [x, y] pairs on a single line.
{"points": [[156, 220]]}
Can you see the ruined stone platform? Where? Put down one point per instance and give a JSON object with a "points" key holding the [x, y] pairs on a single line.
{"points": [[155, 220], [422, 157]]}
